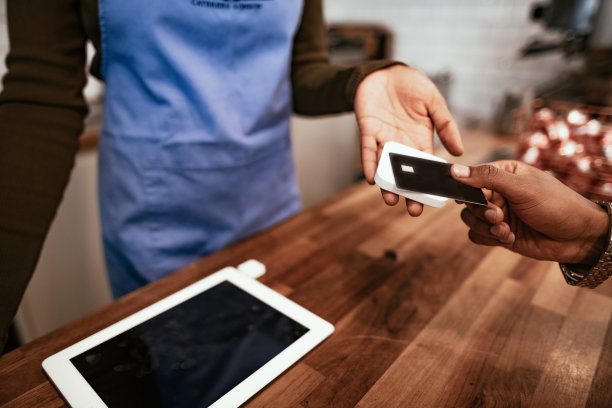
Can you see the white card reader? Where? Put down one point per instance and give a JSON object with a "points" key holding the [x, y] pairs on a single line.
{"points": [[384, 174]]}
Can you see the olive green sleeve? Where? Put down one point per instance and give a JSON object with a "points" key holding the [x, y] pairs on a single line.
{"points": [[41, 117], [319, 87]]}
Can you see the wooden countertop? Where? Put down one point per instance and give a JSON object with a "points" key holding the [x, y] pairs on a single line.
{"points": [[423, 317]]}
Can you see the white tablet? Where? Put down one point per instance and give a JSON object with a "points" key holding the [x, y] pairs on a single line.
{"points": [[213, 344]]}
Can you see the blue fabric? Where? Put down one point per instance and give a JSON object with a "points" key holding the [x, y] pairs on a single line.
{"points": [[195, 150]]}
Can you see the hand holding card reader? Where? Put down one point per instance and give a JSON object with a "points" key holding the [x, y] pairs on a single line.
{"points": [[422, 177]]}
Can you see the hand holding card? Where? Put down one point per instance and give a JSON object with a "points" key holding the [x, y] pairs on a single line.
{"points": [[432, 177]]}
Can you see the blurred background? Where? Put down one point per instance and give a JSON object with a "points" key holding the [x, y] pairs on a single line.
{"points": [[528, 80]]}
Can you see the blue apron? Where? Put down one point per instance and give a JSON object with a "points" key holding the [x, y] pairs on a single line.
{"points": [[195, 150]]}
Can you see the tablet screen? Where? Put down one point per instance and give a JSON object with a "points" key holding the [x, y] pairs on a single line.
{"points": [[191, 354]]}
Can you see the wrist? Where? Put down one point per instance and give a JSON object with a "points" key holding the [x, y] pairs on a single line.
{"points": [[597, 240], [591, 274]]}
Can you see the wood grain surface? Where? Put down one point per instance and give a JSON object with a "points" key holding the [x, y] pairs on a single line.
{"points": [[423, 317]]}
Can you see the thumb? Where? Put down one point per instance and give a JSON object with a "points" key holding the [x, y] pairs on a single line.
{"points": [[489, 177]]}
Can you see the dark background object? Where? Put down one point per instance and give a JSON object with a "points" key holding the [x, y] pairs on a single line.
{"points": [[581, 24], [575, 15], [355, 43], [574, 18]]}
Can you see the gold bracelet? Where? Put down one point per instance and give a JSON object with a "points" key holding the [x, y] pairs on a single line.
{"points": [[591, 277]]}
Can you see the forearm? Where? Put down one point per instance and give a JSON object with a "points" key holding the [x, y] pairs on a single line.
{"points": [[41, 117], [595, 241], [32, 178], [322, 88], [319, 87]]}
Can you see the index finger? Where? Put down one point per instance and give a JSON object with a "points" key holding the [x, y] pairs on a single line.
{"points": [[369, 158], [414, 208], [445, 125]]}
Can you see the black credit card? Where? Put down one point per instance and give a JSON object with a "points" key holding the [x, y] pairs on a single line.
{"points": [[432, 177]]}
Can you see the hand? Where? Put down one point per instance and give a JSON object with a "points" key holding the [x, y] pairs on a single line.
{"points": [[401, 104], [532, 213]]}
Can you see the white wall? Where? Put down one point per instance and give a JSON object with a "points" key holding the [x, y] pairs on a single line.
{"points": [[477, 41], [326, 155]]}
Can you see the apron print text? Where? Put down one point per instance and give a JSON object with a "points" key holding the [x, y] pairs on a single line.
{"points": [[230, 4]]}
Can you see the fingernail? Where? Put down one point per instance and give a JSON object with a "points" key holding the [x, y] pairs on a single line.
{"points": [[490, 215], [511, 238], [461, 171], [497, 230]]}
